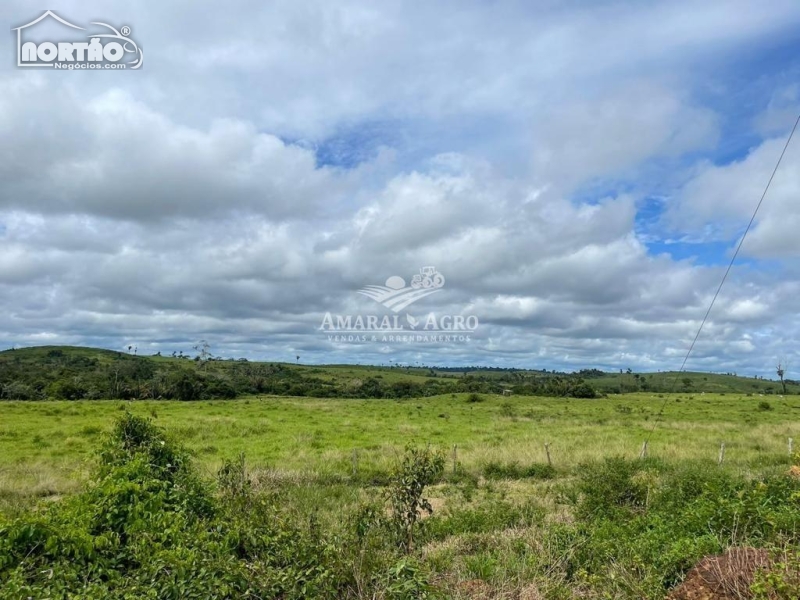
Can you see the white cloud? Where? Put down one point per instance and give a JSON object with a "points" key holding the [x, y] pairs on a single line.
{"points": [[720, 199], [606, 135], [185, 200], [121, 159]]}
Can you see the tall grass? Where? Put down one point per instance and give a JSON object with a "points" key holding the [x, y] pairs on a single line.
{"points": [[48, 445]]}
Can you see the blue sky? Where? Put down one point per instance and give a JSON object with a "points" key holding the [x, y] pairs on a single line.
{"points": [[579, 172]]}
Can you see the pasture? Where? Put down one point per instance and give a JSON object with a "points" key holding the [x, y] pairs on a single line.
{"points": [[45, 447], [319, 476]]}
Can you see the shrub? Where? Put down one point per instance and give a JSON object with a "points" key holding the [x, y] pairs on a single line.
{"points": [[513, 470], [643, 525], [417, 470], [782, 580], [184, 386], [583, 390], [233, 480], [18, 391], [64, 389], [609, 486], [407, 581], [508, 410], [147, 527]]}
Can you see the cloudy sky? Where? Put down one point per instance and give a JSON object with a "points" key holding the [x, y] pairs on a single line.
{"points": [[580, 173]]}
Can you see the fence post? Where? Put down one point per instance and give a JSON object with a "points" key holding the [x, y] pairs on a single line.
{"points": [[355, 462], [791, 446], [547, 450], [455, 458], [643, 453], [721, 453]]}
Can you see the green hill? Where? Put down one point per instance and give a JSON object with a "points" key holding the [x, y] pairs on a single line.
{"points": [[73, 373]]}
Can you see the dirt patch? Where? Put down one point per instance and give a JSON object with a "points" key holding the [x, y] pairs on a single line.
{"points": [[475, 589], [437, 504], [725, 577], [530, 592]]}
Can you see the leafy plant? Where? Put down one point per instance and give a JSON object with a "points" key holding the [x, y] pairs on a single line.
{"points": [[610, 486], [232, 478], [418, 469], [782, 580], [408, 582]]}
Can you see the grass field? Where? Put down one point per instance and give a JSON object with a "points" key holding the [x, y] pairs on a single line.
{"points": [[45, 447], [504, 525]]}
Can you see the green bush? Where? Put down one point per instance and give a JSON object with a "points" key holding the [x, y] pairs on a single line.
{"points": [[508, 410], [65, 390], [782, 580], [513, 470], [583, 390], [642, 524], [418, 469], [18, 391], [610, 486], [149, 527]]}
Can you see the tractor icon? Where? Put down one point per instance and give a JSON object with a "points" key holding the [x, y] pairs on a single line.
{"points": [[427, 277]]}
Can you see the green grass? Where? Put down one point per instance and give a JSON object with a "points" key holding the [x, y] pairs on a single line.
{"points": [[45, 447], [689, 382], [503, 522]]}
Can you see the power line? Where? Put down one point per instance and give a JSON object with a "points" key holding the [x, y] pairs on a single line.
{"points": [[725, 276]]}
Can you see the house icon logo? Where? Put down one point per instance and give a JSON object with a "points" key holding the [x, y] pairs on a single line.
{"points": [[105, 49]]}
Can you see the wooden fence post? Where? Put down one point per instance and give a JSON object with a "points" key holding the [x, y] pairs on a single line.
{"points": [[547, 450], [455, 458], [791, 446], [355, 462], [643, 453], [721, 453]]}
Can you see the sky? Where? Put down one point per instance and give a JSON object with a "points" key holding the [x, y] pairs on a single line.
{"points": [[578, 172]]}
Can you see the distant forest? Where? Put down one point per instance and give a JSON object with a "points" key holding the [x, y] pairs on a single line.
{"points": [[72, 373]]}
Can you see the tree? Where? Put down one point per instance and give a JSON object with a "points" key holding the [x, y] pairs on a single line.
{"points": [[780, 370], [418, 469], [184, 386], [203, 351]]}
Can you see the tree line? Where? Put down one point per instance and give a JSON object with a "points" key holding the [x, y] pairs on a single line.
{"points": [[62, 375]]}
